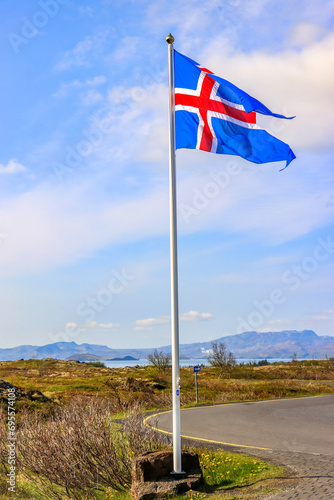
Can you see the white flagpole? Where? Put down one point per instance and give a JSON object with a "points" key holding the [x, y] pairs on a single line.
{"points": [[173, 262]]}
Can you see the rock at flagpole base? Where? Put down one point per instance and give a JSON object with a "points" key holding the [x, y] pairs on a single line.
{"points": [[152, 478]]}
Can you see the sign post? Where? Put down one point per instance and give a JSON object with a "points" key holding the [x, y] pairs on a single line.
{"points": [[197, 369]]}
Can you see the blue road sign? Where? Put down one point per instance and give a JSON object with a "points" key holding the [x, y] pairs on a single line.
{"points": [[197, 369]]}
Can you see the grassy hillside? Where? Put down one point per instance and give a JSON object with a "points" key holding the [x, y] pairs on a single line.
{"points": [[61, 380]]}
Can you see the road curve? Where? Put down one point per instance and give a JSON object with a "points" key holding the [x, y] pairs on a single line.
{"points": [[303, 425]]}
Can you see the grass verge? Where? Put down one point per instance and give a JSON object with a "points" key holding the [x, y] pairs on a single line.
{"points": [[226, 471], [226, 475]]}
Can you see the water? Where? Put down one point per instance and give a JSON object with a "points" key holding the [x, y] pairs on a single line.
{"points": [[144, 362], [183, 362]]}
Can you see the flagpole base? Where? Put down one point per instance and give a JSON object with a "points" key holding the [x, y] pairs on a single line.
{"points": [[178, 475]]}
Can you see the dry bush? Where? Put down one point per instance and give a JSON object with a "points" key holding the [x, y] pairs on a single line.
{"points": [[160, 360], [130, 392], [164, 399], [142, 438], [299, 370], [81, 449], [222, 359], [4, 468], [3, 441]]}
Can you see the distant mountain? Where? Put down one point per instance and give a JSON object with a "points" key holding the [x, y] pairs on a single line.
{"points": [[248, 345], [65, 350]]}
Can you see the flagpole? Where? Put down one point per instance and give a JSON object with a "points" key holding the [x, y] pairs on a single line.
{"points": [[177, 469]]}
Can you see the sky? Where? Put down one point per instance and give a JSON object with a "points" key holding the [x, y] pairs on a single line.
{"points": [[84, 207]]}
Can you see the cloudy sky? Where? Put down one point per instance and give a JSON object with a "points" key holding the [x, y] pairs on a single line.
{"points": [[84, 216]]}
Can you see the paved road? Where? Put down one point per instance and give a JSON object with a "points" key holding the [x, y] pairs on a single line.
{"points": [[303, 424], [295, 432]]}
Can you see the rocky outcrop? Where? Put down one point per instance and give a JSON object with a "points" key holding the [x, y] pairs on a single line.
{"points": [[4, 386], [37, 396], [31, 395], [152, 478]]}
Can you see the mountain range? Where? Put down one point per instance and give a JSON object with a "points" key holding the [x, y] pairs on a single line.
{"points": [[248, 345]]}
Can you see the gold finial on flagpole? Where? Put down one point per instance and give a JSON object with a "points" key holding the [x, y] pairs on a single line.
{"points": [[170, 39]]}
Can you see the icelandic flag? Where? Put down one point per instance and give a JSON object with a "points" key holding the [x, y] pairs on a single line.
{"points": [[214, 115]]}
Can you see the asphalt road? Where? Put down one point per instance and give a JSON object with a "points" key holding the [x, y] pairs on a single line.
{"points": [[303, 425]]}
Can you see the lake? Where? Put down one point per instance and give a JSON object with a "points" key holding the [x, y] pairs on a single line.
{"points": [[183, 362]]}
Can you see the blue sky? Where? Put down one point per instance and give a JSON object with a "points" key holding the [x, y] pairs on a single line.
{"points": [[84, 216]]}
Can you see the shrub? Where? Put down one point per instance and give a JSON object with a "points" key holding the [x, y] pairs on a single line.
{"points": [[98, 364], [160, 360], [3, 441], [263, 362], [221, 358], [81, 449]]}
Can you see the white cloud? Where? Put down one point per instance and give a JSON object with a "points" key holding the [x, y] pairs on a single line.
{"points": [[195, 316], [138, 112], [108, 326], [127, 48], [148, 322], [91, 97], [12, 167], [77, 56], [86, 11], [142, 324], [97, 80], [71, 325], [46, 225], [279, 207], [306, 34], [83, 53], [65, 88], [86, 89], [91, 324]]}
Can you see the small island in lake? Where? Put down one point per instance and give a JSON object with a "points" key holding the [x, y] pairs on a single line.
{"points": [[125, 358], [85, 357]]}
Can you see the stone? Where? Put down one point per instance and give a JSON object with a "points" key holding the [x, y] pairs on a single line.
{"points": [[152, 479]]}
